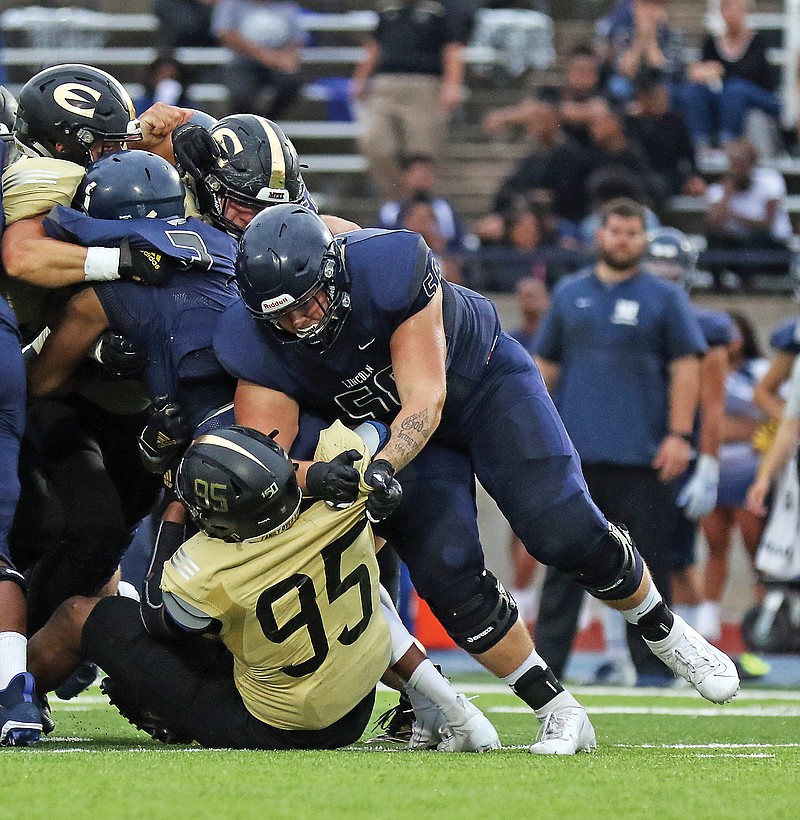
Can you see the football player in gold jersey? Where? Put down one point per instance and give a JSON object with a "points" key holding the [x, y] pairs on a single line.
{"points": [[291, 589]]}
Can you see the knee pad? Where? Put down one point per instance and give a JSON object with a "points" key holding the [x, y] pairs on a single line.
{"points": [[616, 568], [485, 617], [10, 574]]}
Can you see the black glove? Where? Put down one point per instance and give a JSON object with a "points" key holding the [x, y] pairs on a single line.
{"points": [[196, 151], [118, 356], [148, 267], [164, 437], [336, 481], [386, 493]]}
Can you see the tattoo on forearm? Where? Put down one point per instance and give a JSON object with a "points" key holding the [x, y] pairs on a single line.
{"points": [[409, 434]]}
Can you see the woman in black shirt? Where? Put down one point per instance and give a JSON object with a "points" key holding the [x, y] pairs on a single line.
{"points": [[732, 77]]}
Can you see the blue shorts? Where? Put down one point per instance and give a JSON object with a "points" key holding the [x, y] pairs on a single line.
{"points": [[12, 423], [508, 434]]}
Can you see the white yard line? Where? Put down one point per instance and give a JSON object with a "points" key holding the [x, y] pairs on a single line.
{"points": [[697, 711]]}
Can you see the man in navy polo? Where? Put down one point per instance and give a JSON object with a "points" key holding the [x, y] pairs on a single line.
{"points": [[619, 351]]}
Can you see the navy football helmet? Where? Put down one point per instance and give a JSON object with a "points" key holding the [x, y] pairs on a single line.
{"points": [[76, 107], [259, 167], [238, 484], [287, 257], [671, 255], [131, 185], [8, 112]]}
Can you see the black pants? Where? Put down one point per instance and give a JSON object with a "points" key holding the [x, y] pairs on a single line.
{"points": [[189, 684], [628, 495], [84, 490]]}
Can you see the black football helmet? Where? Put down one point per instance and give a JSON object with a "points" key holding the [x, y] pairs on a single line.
{"points": [[238, 484], [259, 167], [131, 185], [8, 112], [75, 107], [671, 255], [288, 256]]}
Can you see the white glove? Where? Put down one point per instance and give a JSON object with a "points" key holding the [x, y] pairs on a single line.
{"points": [[699, 495]]}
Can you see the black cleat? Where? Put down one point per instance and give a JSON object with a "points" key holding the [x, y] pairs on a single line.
{"points": [[142, 719], [397, 722], [48, 722], [79, 681]]}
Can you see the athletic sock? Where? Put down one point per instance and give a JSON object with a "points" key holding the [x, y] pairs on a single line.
{"points": [[427, 682], [13, 656], [535, 684], [652, 616]]}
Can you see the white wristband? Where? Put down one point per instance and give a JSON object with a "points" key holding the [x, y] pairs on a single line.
{"points": [[101, 265]]}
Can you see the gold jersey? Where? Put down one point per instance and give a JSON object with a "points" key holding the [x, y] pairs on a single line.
{"points": [[299, 610]]}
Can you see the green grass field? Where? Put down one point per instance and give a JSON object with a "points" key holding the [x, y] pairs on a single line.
{"points": [[661, 755]]}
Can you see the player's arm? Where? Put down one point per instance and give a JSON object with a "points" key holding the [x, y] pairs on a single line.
{"points": [[31, 256], [158, 123], [766, 395], [418, 348], [713, 369], [772, 463], [73, 338], [675, 451], [699, 495], [336, 224]]}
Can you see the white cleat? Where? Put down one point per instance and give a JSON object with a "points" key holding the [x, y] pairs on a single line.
{"points": [[475, 734], [690, 656], [429, 722], [565, 731]]}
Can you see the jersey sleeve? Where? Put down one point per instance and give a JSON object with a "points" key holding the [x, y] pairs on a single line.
{"points": [[792, 407], [186, 616], [684, 336], [32, 187], [335, 440], [786, 339], [184, 581]]}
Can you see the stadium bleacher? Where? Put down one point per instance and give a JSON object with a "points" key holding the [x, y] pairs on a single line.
{"points": [[124, 42]]}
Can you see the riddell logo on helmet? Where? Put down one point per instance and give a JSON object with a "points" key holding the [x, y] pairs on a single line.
{"points": [[282, 301], [72, 97]]}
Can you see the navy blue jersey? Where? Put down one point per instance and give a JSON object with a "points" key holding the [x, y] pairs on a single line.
{"points": [[786, 339], [173, 324], [188, 241], [718, 329], [394, 276], [614, 344]]}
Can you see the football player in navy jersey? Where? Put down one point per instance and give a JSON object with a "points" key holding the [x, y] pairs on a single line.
{"points": [[20, 719], [364, 327]]}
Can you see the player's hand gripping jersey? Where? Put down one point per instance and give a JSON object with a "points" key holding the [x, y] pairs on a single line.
{"points": [[299, 610]]}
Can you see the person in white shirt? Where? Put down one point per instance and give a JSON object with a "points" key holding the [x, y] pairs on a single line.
{"points": [[747, 211]]}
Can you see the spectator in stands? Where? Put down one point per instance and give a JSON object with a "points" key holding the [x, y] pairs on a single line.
{"points": [[417, 183], [557, 165], [646, 40], [604, 186], [732, 77], [613, 151], [165, 81], [265, 37], [185, 22], [738, 463], [410, 82], [576, 102], [419, 214], [662, 133], [747, 212]]}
